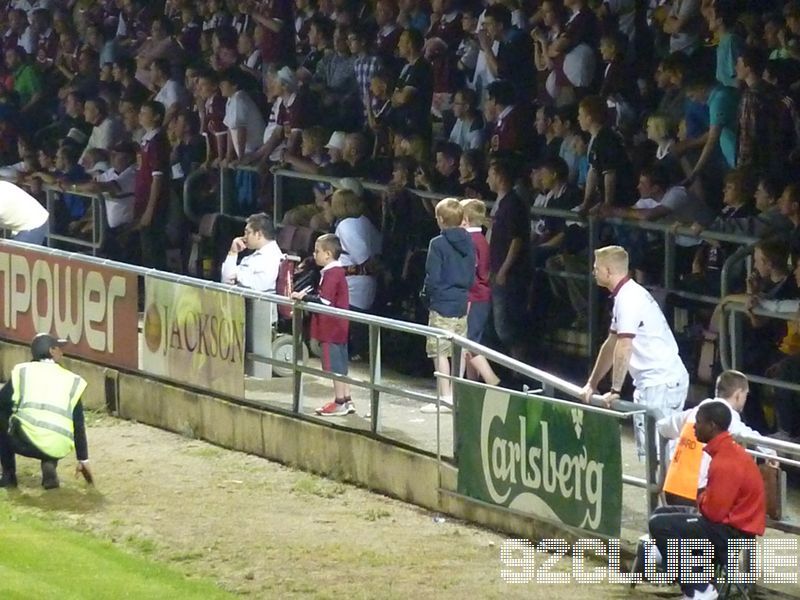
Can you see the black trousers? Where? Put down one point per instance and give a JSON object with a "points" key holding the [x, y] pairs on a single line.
{"points": [[13, 441], [686, 523]]}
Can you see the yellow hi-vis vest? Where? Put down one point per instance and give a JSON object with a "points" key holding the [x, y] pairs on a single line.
{"points": [[45, 394], [684, 468]]}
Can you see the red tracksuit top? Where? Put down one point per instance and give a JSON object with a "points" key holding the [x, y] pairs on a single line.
{"points": [[332, 292], [479, 292], [735, 492]]}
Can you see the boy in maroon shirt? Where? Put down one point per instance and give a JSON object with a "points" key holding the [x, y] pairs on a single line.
{"points": [[331, 332], [479, 298], [151, 191]]}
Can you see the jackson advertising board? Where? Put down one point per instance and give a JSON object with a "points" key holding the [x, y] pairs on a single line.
{"points": [[94, 308], [558, 463], [194, 336]]}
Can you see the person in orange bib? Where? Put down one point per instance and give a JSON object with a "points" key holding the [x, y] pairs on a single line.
{"points": [[688, 468]]}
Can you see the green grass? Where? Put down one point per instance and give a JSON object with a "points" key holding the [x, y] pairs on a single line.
{"points": [[39, 559]]}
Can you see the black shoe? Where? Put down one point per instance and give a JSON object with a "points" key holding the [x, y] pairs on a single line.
{"points": [[8, 480], [49, 475]]}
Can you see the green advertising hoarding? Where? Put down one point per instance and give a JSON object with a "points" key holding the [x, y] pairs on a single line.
{"points": [[552, 461]]}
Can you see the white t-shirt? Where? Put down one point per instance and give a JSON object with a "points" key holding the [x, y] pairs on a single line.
{"points": [[686, 209], [360, 241], [106, 135], [19, 211], [258, 271], [655, 359], [171, 93], [670, 427], [241, 111], [119, 206]]}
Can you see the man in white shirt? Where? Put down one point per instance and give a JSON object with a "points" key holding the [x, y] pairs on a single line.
{"points": [[107, 131], [259, 270], [117, 185], [731, 388], [640, 342], [171, 92], [22, 214], [468, 131]]}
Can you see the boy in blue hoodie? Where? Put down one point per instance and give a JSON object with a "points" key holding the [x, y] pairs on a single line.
{"points": [[449, 272]]}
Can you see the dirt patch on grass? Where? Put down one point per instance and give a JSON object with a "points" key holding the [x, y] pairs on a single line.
{"points": [[268, 531]]}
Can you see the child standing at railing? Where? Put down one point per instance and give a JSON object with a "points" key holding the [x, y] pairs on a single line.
{"points": [[331, 332], [449, 273]]}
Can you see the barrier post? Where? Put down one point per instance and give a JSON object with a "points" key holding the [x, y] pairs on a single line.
{"points": [[277, 197], [594, 337], [651, 462], [297, 353], [374, 374]]}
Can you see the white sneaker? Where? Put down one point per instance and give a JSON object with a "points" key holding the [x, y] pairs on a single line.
{"points": [[431, 408], [710, 593], [351, 407]]}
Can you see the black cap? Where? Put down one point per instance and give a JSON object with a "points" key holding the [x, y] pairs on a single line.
{"points": [[43, 343]]}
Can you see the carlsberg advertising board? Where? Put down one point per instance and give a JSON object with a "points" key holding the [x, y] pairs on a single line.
{"points": [[550, 460]]}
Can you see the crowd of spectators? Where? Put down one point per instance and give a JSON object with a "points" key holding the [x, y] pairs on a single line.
{"points": [[661, 110]]}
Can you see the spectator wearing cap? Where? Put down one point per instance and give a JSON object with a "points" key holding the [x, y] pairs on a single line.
{"points": [[287, 119], [117, 185], [242, 118], [468, 130], [41, 415], [107, 130], [151, 197], [413, 93], [22, 214], [27, 80], [336, 167]]}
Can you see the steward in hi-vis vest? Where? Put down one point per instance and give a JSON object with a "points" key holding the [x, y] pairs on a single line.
{"points": [[688, 468], [41, 415]]}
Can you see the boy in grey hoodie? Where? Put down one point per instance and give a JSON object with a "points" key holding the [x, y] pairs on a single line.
{"points": [[449, 273]]}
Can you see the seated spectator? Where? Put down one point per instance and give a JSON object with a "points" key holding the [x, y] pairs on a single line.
{"points": [[472, 175], [355, 154], [769, 220], [117, 187], [789, 206], [445, 179], [96, 161], [107, 130], [659, 201], [312, 157], [468, 130], [787, 368], [662, 133], [27, 80]]}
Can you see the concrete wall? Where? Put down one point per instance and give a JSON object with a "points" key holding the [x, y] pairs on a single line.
{"points": [[321, 448]]}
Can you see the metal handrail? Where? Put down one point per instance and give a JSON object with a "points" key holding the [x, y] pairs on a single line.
{"points": [[99, 219]]}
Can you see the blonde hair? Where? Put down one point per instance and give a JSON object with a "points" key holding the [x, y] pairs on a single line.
{"points": [[330, 243], [449, 212], [662, 126], [345, 204], [474, 212], [613, 257]]}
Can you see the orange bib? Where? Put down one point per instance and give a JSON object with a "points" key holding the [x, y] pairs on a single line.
{"points": [[684, 468]]}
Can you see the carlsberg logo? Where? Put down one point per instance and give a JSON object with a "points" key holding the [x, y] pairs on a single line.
{"points": [[516, 466]]}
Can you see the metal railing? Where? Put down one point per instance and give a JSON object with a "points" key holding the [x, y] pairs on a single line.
{"points": [[98, 212], [554, 389]]}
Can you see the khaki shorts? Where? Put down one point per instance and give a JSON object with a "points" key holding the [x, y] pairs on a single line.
{"points": [[457, 325]]}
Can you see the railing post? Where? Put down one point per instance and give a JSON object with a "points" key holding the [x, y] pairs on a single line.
{"points": [[277, 198], [51, 222], [223, 190], [455, 371], [594, 236], [651, 462], [669, 260], [374, 374], [297, 353]]}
